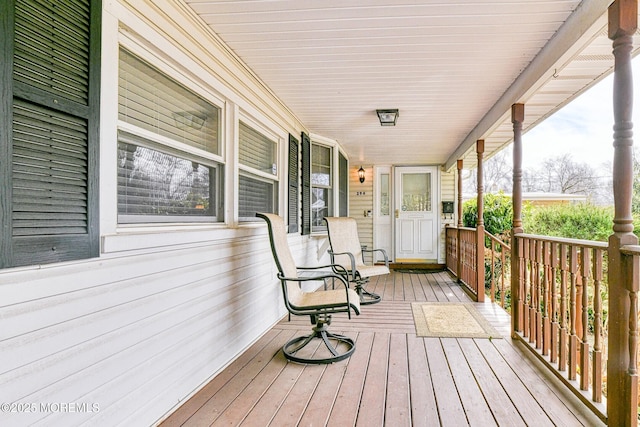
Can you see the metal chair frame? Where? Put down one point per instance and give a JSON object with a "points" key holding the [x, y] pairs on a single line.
{"points": [[320, 305], [358, 272]]}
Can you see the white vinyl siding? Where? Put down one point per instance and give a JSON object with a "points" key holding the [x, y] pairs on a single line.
{"points": [[135, 334], [361, 195], [448, 182]]}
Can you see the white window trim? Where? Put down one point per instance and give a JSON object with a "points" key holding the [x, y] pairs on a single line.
{"points": [[335, 194], [277, 136], [143, 50]]}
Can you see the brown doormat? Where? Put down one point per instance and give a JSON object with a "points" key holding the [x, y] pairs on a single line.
{"points": [[450, 320]]}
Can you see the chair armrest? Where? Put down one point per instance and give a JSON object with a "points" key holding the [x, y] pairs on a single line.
{"points": [[328, 275], [351, 257], [386, 258], [336, 268], [314, 277]]}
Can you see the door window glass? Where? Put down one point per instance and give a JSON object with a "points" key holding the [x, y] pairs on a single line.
{"points": [[416, 192]]}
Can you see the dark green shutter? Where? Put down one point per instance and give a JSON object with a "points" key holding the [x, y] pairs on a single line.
{"points": [[52, 137], [293, 184], [343, 184], [306, 184]]}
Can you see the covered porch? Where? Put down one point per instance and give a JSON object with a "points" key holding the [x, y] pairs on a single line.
{"points": [[394, 378], [175, 317]]}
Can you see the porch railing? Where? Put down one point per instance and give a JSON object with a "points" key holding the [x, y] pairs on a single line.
{"points": [[561, 301], [630, 406], [498, 257], [562, 309], [465, 259]]}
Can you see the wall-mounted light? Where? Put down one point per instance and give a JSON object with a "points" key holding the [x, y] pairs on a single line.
{"points": [[361, 174], [388, 117]]}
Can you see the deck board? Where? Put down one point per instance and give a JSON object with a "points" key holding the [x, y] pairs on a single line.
{"points": [[501, 406], [424, 409], [450, 409], [398, 406], [473, 400], [394, 378], [528, 407], [371, 410], [344, 410]]}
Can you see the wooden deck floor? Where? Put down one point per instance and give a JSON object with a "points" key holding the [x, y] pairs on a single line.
{"points": [[394, 378]]}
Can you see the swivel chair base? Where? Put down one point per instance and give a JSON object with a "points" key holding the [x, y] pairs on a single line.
{"points": [[328, 339], [366, 297]]}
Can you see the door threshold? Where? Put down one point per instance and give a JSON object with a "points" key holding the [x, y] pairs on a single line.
{"points": [[417, 266]]}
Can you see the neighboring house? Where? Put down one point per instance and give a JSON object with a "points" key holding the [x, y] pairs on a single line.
{"points": [[136, 146], [552, 199], [541, 198]]}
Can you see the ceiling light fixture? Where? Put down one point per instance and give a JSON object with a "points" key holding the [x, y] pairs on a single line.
{"points": [[388, 117]]}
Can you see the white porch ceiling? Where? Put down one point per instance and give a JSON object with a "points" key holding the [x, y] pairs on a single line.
{"points": [[452, 67]]}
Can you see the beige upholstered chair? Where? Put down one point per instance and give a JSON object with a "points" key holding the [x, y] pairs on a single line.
{"points": [[347, 251], [320, 304]]}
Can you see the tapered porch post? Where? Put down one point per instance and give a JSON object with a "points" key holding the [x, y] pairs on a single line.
{"points": [[480, 225], [622, 380], [517, 306]]}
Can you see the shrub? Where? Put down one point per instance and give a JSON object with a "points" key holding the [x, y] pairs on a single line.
{"points": [[582, 221], [497, 215]]}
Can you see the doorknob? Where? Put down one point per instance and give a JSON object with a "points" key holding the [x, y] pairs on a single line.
{"points": [[397, 213]]}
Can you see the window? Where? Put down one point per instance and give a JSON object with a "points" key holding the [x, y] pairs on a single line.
{"points": [[258, 180], [384, 195], [169, 167], [49, 112], [321, 185], [325, 183]]}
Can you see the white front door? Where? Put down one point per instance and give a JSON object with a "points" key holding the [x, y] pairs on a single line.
{"points": [[416, 212]]}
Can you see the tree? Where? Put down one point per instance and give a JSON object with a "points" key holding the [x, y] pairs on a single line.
{"points": [[562, 175], [497, 175], [635, 200]]}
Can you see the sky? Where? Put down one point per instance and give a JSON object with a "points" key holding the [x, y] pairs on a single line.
{"points": [[583, 128]]}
